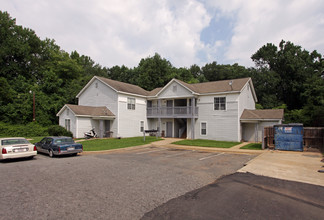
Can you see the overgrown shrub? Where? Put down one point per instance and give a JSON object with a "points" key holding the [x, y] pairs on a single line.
{"points": [[57, 130], [32, 129]]}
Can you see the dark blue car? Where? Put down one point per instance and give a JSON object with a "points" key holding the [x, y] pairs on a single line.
{"points": [[54, 146]]}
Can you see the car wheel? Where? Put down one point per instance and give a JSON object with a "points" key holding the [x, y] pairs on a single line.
{"points": [[50, 153]]}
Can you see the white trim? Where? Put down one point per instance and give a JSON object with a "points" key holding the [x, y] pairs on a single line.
{"points": [[141, 125], [219, 93], [201, 128], [169, 83], [258, 120], [127, 93], [220, 105], [63, 108], [249, 82]]}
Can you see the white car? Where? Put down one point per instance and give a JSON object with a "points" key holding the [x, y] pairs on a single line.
{"points": [[15, 148]]}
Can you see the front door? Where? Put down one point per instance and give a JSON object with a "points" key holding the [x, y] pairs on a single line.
{"points": [[169, 129]]}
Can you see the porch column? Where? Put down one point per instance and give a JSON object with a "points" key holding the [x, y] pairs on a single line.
{"points": [[159, 117], [101, 128], [192, 118]]}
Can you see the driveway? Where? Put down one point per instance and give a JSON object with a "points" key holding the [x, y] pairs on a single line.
{"points": [[119, 185]]}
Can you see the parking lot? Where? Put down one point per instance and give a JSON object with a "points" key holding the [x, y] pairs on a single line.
{"points": [[120, 185]]}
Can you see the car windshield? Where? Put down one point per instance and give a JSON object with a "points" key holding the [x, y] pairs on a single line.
{"points": [[64, 141], [14, 141]]}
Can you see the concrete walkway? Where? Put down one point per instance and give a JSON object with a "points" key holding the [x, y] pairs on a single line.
{"points": [[287, 165], [167, 142]]}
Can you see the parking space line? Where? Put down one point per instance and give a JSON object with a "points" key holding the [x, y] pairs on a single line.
{"points": [[214, 155], [146, 152], [174, 155]]}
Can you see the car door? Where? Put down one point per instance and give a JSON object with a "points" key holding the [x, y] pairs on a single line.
{"points": [[47, 144], [40, 145]]}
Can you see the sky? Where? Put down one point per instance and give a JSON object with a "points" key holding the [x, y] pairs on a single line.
{"points": [[185, 32]]}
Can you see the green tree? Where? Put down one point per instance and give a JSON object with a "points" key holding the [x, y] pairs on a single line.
{"points": [[154, 72], [293, 66]]}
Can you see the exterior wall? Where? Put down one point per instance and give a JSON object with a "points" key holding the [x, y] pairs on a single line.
{"points": [[246, 101], [129, 120], [99, 94], [170, 92], [67, 114], [248, 132], [252, 132], [221, 124], [85, 124]]}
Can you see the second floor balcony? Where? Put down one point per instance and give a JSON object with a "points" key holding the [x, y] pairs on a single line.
{"points": [[172, 112]]}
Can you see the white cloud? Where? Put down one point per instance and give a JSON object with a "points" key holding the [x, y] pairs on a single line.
{"points": [[118, 32], [259, 22], [114, 32]]}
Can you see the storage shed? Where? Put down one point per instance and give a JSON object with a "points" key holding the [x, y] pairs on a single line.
{"points": [[254, 121]]}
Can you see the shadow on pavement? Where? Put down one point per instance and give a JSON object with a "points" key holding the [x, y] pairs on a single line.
{"points": [[246, 196]]}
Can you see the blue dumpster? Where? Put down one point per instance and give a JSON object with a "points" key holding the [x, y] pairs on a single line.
{"points": [[289, 137]]}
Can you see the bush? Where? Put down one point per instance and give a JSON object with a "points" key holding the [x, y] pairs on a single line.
{"points": [[57, 130], [30, 130]]}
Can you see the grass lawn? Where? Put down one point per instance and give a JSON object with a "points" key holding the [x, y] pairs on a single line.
{"points": [[252, 146], [113, 143], [207, 143], [33, 140]]}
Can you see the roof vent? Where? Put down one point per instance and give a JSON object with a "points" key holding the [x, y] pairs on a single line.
{"points": [[231, 83]]}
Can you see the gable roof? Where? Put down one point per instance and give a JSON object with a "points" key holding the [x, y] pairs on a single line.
{"points": [[124, 87], [117, 86], [277, 114], [217, 86], [222, 86], [80, 110]]}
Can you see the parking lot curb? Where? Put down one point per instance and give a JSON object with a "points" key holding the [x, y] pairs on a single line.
{"points": [[114, 150], [210, 149]]}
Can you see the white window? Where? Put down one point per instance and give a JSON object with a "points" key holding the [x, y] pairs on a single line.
{"points": [[203, 128], [67, 124], [220, 103], [131, 103], [67, 111], [141, 126]]}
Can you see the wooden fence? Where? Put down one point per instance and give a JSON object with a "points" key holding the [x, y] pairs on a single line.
{"points": [[313, 137]]}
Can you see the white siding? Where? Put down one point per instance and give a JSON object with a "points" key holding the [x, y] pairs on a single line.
{"points": [[248, 132], [65, 115], [175, 90], [129, 120], [100, 95], [252, 132], [221, 124], [84, 125], [246, 101]]}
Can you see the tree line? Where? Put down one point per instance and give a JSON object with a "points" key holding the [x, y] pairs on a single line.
{"points": [[286, 76]]}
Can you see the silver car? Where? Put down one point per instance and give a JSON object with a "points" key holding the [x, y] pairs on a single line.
{"points": [[16, 147]]}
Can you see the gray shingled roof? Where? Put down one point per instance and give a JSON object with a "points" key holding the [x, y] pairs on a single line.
{"points": [[124, 87], [90, 111], [263, 114], [217, 86], [200, 88]]}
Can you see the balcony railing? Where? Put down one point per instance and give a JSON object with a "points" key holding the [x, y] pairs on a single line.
{"points": [[172, 112]]}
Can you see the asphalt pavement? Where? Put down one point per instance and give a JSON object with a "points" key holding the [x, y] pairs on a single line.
{"points": [[246, 196], [117, 185]]}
